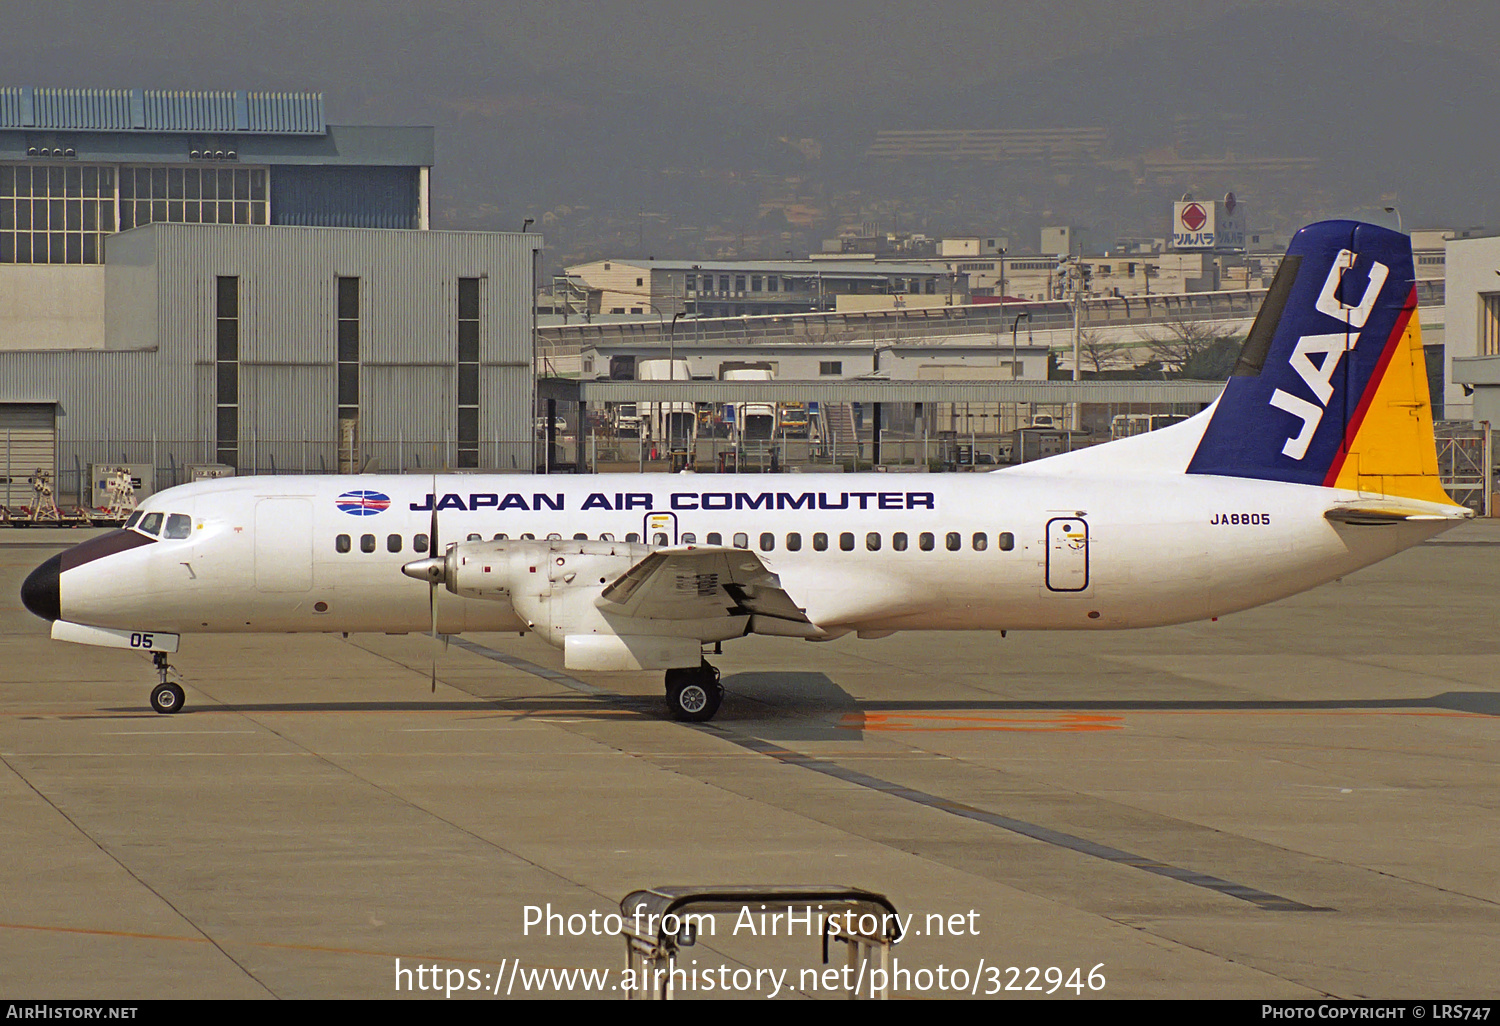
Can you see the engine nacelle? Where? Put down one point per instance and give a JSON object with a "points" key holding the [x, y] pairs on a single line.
{"points": [[523, 571]]}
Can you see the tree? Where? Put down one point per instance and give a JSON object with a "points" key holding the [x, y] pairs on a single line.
{"points": [[1094, 351], [1216, 363], [1180, 343]]}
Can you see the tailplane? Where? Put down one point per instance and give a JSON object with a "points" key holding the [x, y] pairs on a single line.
{"points": [[1331, 386]]}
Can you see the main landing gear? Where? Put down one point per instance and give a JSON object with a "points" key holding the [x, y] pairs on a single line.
{"points": [[694, 693], [166, 697]]}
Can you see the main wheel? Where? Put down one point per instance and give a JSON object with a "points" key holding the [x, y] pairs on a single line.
{"points": [[693, 696], [167, 698]]}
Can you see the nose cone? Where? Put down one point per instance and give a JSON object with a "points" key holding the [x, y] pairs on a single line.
{"points": [[40, 593], [431, 570]]}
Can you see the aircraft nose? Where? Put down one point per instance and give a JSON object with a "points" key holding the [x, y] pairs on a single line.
{"points": [[41, 593]]}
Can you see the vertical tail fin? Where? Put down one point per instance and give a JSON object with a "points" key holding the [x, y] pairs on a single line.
{"points": [[1331, 386]]}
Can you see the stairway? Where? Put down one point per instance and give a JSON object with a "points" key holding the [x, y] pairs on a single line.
{"points": [[840, 420]]}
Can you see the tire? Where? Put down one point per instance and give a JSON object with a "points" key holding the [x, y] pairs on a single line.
{"points": [[695, 701], [167, 698]]}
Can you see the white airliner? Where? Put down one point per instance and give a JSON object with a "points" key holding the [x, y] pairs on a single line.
{"points": [[1317, 459]]}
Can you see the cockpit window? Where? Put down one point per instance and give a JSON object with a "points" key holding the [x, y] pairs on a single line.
{"points": [[151, 523], [179, 525], [134, 519]]}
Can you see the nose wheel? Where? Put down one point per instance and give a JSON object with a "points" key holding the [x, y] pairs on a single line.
{"points": [[166, 697], [694, 693]]}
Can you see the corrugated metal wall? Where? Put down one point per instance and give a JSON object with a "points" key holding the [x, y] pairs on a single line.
{"points": [[28, 443], [162, 110], [345, 197], [288, 275]]}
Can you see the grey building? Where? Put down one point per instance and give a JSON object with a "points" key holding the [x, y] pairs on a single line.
{"points": [[193, 277], [287, 348]]}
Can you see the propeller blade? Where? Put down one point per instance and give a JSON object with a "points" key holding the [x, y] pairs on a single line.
{"points": [[432, 553]]}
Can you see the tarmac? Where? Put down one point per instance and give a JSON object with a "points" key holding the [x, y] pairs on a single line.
{"points": [[1295, 802]]}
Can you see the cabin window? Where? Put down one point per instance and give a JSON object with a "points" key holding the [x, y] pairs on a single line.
{"points": [[178, 526], [529, 536], [846, 541], [659, 538], [419, 543], [1007, 541], [341, 543], [475, 536], [554, 536], [924, 541], [499, 537], [955, 541], [689, 539], [981, 541], [134, 519], [367, 543], [767, 542], [152, 524], [632, 537], [714, 538], [393, 543], [793, 542], [872, 541], [820, 542], [741, 540], [898, 541], [606, 536], [580, 537]]}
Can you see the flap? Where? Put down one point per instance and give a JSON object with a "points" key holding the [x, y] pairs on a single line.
{"points": [[698, 583]]}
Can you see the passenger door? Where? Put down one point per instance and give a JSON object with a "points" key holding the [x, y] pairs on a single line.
{"points": [[1067, 554]]}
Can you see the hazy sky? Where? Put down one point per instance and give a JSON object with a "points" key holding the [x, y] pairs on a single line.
{"points": [[776, 50], [540, 105]]}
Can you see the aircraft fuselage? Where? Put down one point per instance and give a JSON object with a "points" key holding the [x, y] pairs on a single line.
{"points": [[872, 552]]}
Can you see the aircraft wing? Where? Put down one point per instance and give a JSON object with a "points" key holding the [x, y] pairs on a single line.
{"points": [[699, 583]]}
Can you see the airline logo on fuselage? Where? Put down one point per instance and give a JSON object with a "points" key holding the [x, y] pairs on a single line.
{"points": [[712, 501], [363, 503], [1329, 348]]}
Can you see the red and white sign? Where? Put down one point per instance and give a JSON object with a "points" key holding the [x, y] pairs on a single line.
{"points": [[1209, 224]]}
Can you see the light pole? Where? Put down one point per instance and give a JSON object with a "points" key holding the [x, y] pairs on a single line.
{"points": [[672, 374], [1015, 366], [1397, 211]]}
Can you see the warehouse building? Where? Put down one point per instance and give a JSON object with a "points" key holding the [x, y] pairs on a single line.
{"points": [[225, 279]]}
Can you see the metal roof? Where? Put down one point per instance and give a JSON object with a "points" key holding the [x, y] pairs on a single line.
{"points": [[161, 110]]}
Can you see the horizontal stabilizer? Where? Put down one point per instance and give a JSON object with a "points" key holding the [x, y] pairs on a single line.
{"points": [[1374, 516]]}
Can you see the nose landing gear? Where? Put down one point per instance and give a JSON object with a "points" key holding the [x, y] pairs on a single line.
{"points": [[166, 697], [694, 693]]}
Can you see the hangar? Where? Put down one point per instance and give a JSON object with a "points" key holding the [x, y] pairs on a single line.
{"points": [[224, 278]]}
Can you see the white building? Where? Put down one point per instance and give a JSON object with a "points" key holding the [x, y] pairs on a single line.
{"points": [[1472, 334]]}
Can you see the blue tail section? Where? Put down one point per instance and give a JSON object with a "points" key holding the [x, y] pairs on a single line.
{"points": [[1339, 314]]}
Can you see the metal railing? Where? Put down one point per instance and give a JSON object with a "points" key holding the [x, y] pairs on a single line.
{"points": [[1466, 467], [894, 325]]}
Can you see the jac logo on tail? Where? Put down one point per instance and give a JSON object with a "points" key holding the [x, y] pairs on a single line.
{"points": [[1329, 348]]}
